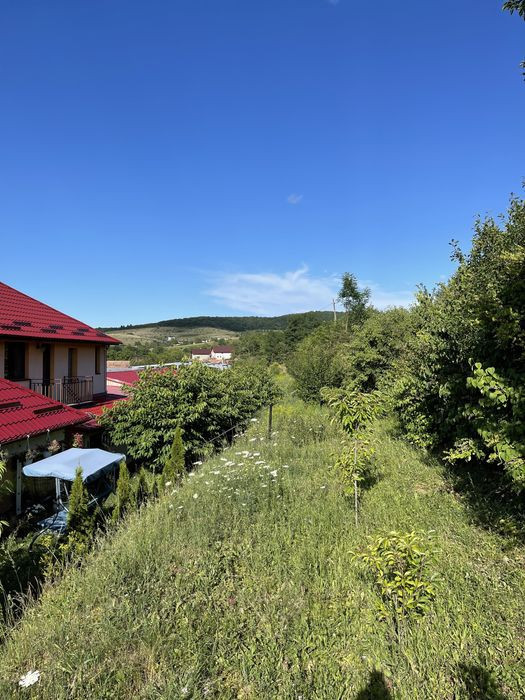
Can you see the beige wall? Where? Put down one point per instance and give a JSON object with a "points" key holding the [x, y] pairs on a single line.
{"points": [[59, 354]]}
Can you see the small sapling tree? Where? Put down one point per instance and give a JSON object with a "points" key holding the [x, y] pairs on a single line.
{"points": [[354, 410], [124, 492], [353, 465], [174, 467], [141, 487], [399, 565], [78, 517]]}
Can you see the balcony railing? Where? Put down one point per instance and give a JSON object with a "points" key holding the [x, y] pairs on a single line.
{"points": [[69, 390]]}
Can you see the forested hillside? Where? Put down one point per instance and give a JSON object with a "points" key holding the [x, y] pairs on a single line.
{"points": [[237, 324]]}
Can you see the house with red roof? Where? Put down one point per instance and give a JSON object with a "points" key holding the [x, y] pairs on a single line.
{"points": [[52, 372], [218, 353], [201, 354], [49, 352], [222, 352]]}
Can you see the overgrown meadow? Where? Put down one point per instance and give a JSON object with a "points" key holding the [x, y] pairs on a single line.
{"points": [[240, 583]]}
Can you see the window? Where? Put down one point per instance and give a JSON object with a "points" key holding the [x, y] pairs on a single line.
{"points": [[97, 360], [15, 361]]}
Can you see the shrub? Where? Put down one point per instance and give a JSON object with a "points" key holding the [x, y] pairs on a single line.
{"points": [[78, 517], [174, 467], [399, 565], [124, 492], [464, 372], [142, 489], [206, 403], [319, 361]]}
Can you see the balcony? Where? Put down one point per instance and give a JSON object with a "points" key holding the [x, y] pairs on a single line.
{"points": [[69, 390]]}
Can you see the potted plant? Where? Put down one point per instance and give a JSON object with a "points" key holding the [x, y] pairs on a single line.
{"points": [[31, 455], [54, 447], [78, 440]]}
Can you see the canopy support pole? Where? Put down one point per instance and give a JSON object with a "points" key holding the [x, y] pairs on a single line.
{"points": [[18, 487]]}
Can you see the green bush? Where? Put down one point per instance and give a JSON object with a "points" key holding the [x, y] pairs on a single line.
{"points": [[124, 492], [463, 376], [399, 565], [209, 406], [174, 467], [78, 517], [319, 361]]}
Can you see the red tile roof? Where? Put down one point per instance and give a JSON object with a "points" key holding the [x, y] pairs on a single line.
{"points": [[103, 402], [201, 351], [24, 317], [130, 376], [24, 412]]}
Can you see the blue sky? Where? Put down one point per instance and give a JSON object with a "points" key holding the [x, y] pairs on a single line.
{"points": [[174, 158]]}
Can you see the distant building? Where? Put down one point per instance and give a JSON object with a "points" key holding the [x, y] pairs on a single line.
{"points": [[222, 352], [201, 354], [219, 353]]}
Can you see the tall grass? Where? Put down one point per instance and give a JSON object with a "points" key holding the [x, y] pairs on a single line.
{"points": [[240, 584]]}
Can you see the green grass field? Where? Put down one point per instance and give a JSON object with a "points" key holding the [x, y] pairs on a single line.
{"points": [[241, 585]]}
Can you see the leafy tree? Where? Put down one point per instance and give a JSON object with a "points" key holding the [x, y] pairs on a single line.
{"points": [[354, 300], [519, 7], [78, 517], [299, 327], [267, 345], [124, 492], [208, 404], [319, 361], [464, 372], [376, 346], [515, 6], [174, 467]]}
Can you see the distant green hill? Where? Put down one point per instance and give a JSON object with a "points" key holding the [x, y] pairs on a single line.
{"points": [[235, 324]]}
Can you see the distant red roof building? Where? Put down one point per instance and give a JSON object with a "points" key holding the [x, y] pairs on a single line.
{"points": [[24, 412], [201, 351], [22, 316], [222, 349]]}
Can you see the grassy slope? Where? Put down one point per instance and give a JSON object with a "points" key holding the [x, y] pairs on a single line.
{"points": [[155, 334], [248, 591]]}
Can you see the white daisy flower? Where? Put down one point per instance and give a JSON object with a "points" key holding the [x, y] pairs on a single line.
{"points": [[29, 679], [195, 495]]}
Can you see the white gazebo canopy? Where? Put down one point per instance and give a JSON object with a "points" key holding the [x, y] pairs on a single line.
{"points": [[64, 464]]}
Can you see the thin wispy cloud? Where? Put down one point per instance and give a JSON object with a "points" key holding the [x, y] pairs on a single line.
{"points": [[270, 293], [382, 298], [294, 198]]}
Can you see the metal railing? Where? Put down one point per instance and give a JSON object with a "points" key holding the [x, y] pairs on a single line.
{"points": [[69, 390]]}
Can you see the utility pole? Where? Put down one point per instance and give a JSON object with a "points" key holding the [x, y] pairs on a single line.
{"points": [[335, 313]]}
